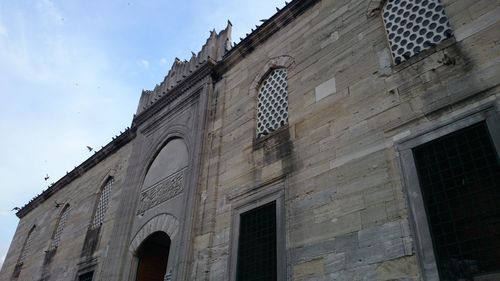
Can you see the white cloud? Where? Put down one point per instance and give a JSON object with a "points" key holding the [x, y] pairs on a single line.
{"points": [[163, 61], [144, 63]]}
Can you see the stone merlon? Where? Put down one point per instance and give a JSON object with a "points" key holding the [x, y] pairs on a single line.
{"points": [[215, 48]]}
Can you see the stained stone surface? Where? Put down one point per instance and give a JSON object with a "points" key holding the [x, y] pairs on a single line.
{"points": [[336, 162]]}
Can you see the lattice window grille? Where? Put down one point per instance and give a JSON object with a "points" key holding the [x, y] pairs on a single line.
{"points": [[414, 25], [257, 254], [102, 206], [459, 178], [26, 247], [272, 109], [60, 227]]}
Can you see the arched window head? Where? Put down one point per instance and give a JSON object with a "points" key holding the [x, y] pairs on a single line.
{"points": [[413, 26], [26, 246], [56, 238], [166, 175], [172, 158], [272, 108], [102, 205]]}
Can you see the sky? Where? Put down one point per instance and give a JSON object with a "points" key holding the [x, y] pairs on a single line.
{"points": [[71, 74]]}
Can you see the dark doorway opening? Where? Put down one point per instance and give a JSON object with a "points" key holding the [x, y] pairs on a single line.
{"points": [[153, 257]]}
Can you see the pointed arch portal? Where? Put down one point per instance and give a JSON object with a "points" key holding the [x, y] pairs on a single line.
{"points": [[151, 248], [153, 257]]}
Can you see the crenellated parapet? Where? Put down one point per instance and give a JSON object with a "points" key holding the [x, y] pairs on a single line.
{"points": [[215, 48]]}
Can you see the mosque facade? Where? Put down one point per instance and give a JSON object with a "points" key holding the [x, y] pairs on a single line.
{"points": [[339, 140]]}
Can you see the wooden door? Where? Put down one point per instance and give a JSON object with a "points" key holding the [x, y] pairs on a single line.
{"points": [[153, 258]]}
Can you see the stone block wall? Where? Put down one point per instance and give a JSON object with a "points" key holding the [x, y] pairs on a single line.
{"points": [[335, 166], [346, 211]]}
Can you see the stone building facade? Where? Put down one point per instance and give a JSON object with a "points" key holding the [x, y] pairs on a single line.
{"points": [[340, 140]]}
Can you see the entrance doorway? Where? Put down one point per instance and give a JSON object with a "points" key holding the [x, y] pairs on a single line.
{"points": [[153, 257]]}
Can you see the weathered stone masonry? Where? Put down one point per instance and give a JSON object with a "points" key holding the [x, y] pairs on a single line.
{"points": [[341, 169]]}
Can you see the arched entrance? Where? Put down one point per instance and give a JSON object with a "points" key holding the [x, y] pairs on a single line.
{"points": [[153, 257]]}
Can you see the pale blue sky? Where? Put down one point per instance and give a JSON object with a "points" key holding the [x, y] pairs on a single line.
{"points": [[71, 74]]}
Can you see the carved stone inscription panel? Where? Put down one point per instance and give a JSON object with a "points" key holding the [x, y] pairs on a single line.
{"points": [[162, 191], [165, 177]]}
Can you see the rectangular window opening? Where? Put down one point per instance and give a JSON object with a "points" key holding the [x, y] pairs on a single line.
{"points": [[459, 176], [257, 251]]}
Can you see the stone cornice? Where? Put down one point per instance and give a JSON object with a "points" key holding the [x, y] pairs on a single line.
{"points": [[279, 20], [78, 171]]}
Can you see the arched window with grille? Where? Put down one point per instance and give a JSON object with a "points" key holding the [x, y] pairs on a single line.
{"points": [[26, 246], [272, 106], [25, 250], [61, 222], [414, 26], [102, 205]]}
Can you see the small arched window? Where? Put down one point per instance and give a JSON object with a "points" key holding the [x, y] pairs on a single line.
{"points": [[56, 238], [102, 204], [414, 26], [26, 246], [24, 252], [272, 107]]}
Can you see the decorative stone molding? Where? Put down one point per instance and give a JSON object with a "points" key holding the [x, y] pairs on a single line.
{"points": [[163, 222], [265, 31], [216, 46], [276, 62], [162, 191]]}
